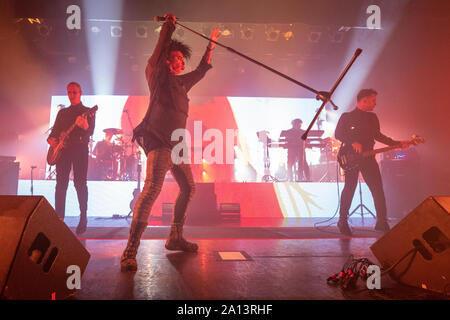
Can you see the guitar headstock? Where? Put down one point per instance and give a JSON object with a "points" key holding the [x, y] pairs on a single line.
{"points": [[416, 140], [91, 112]]}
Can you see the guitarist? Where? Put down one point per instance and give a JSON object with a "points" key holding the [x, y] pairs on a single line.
{"points": [[360, 128], [75, 153]]}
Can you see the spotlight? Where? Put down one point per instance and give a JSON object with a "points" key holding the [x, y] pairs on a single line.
{"points": [[227, 31], [344, 29], [337, 37], [247, 32], [314, 36], [116, 31], [43, 30], [287, 33], [272, 33], [34, 20], [141, 32]]}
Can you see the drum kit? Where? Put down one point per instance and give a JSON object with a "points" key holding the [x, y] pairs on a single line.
{"points": [[118, 160]]}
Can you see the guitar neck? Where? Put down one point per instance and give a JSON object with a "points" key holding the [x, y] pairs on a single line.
{"points": [[374, 152], [68, 131]]}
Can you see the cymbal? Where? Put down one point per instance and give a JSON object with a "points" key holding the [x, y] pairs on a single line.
{"points": [[112, 131]]}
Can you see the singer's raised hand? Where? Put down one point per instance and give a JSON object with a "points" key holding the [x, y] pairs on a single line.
{"points": [[170, 18], [215, 35]]}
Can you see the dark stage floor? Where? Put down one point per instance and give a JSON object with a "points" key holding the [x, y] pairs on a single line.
{"points": [[282, 260]]}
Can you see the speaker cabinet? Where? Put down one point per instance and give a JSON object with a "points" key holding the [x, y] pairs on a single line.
{"points": [[9, 177], [202, 209], [37, 250], [427, 230], [402, 186]]}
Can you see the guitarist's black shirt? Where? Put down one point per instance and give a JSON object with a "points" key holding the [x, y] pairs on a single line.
{"points": [[65, 118], [363, 127]]}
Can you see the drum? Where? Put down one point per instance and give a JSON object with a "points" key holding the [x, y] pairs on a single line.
{"points": [[128, 168], [107, 169], [92, 169]]}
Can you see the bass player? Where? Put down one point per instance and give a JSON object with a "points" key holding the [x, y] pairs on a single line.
{"points": [[360, 128]]}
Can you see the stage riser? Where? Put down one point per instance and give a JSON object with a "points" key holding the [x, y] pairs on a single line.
{"points": [[257, 200]]}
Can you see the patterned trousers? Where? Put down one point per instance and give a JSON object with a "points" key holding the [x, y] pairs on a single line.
{"points": [[159, 161]]}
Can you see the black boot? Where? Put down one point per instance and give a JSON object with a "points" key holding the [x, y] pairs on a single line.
{"points": [[343, 227], [382, 225], [128, 260], [82, 225], [176, 240]]}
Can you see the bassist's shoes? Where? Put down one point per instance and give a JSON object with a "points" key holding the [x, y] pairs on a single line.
{"points": [[382, 226], [82, 226], [344, 228]]}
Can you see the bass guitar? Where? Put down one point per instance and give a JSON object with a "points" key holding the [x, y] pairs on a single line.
{"points": [[54, 153], [349, 159]]}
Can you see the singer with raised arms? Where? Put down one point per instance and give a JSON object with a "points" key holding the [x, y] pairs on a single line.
{"points": [[167, 111]]}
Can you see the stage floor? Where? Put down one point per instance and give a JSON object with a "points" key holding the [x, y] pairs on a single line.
{"points": [[279, 263]]}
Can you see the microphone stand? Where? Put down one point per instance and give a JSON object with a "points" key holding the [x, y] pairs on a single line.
{"points": [[320, 95], [31, 189], [326, 96]]}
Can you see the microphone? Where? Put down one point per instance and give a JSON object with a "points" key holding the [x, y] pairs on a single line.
{"points": [[160, 19]]}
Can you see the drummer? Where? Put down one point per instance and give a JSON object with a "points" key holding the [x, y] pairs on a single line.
{"points": [[104, 149]]}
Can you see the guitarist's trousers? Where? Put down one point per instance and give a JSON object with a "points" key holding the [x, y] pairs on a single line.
{"points": [[372, 176], [78, 157]]}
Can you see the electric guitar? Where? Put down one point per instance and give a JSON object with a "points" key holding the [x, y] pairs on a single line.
{"points": [[54, 153], [349, 159]]}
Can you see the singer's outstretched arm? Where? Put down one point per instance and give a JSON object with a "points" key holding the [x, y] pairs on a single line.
{"points": [[162, 46]]}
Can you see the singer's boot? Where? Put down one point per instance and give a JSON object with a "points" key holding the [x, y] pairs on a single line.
{"points": [[176, 240], [128, 260]]}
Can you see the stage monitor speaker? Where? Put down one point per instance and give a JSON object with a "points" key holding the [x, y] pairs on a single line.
{"points": [[37, 249], [426, 229]]}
